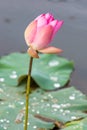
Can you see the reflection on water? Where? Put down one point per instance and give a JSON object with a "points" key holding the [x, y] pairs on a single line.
{"points": [[72, 38]]}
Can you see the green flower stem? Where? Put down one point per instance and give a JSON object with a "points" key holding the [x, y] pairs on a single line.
{"points": [[27, 93]]}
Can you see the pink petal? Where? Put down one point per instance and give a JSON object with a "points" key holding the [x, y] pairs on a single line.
{"points": [[51, 50], [41, 21], [30, 32], [54, 23], [43, 37], [49, 17], [58, 26], [32, 53]]}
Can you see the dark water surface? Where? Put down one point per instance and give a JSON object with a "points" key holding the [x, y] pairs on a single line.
{"points": [[72, 38]]}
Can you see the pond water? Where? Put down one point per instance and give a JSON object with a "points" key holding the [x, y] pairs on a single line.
{"points": [[72, 38]]}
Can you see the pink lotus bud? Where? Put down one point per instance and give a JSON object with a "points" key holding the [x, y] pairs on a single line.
{"points": [[40, 33]]}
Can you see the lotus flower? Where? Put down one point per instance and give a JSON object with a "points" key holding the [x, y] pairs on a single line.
{"points": [[39, 34]]}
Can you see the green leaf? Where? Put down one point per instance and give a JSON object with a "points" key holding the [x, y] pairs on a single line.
{"points": [[64, 105], [45, 107], [77, 125], [49, 71], [13, 101]]}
